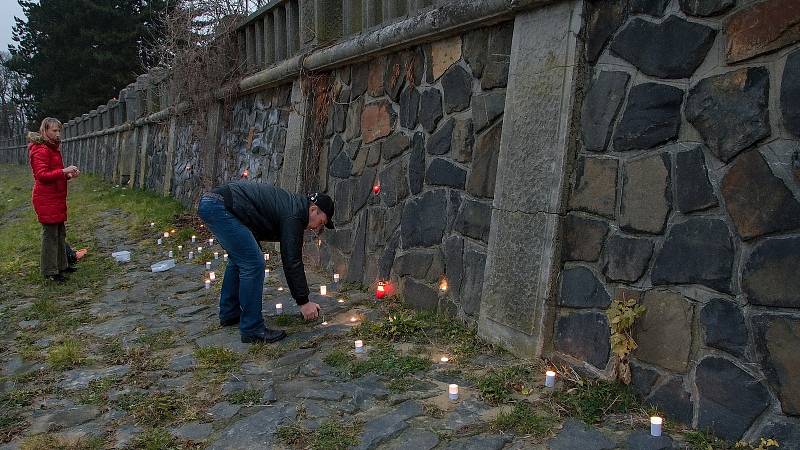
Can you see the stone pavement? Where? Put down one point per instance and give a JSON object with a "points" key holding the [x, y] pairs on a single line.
{"points": [[156, 358]]}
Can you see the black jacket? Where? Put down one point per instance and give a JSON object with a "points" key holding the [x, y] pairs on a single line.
{"points": [[273, 214]]}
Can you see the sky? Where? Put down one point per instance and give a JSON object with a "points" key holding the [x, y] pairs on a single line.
{"points": [[8, 9]]}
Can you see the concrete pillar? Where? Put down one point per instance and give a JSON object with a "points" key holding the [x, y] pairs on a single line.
{"points": [[291, 172], [279, 14], [250, 42], [95, 120], [259, 42], [142, 169], [307, 17], [520, 275], [292, 28], [394, 9], [269, 39], [131, 103], [373, 13], [141, 96], [172, 142], [353, 15], [241, 43], [328, 20], [208, 158]]}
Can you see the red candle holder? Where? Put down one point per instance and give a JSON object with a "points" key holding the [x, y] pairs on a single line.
{"points": [[380, 291], [245, 173], [376, 189]]}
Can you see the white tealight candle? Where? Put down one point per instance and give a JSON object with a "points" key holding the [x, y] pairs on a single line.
{"points": [[166, 234], [210, 242], [208, 284], [325, 323], [549, 379], [212, 276], [194, 239], [199, 249], [266, 256], [279, 308], [158, 241], [170, 254], [452, 391], [152, 224], [191, 255], [444, 359], [280, 288], [323, 290], [225, 257], [336, 278], [354, 319], [208, 265], [655, 426], [216, 255], [266, 274], [341, 300], [359, 346], [180, 247]]}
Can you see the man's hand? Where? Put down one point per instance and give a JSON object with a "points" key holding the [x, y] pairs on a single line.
{"points": [[310, 310]]}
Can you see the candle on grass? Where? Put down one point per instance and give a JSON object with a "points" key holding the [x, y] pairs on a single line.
{"points": [[336, 278], [452, 391], [166, 234], [158, 241], [180, 247], [550, 379], [280, 288], [443, 284], [266, 273], [359, 346], [341, 300], [210, 242], [444, 359], [152, 224], [194, 239], [323, 290], [191, 255], [380, 291], [266, 256], [353, 319], [199, 249], [225, 257], [655, 426], [279, 308], [207, 283], [208, 265], [212, 276], [170, 254], [216, 255]]}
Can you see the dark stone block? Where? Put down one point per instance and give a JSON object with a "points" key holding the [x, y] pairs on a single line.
{"points": [[355, 269], [392, 220], [340, 238], [363, 188], [415, 263], [482, 177], [576, 435], [641, 440], [341, 166], [442, 172], [394, 187], [581, 289], [395, 145], [730, 398], [423, 223], [650, 7], [430, 109], [730, 110], [584, 335], [642, 379], [359, 80], [693, 191], [664, 332], [341, 197], [495, 74], [395, 76], [454, 264], [674, 48], [698, 251], [600, 108], [474, 219], [706, 8], [777, 340], [387, 258], [724, 327], [583, 238], [375, 221], [626, 258], [339, 117], [457, 85], [673, 399], [409, 108], [416, 164], [758, 202], [790, 92], [487, 107], [784, 430], [475, 51], [595, 186], [419, 296], [474, 265], [373, 154], [463, 141], [652, 117], [646, 194], [439, 142], [603, 21], [770, 275], [336, 146]]}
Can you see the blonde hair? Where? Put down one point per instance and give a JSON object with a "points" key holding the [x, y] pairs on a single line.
{"points": [[48, 123]]}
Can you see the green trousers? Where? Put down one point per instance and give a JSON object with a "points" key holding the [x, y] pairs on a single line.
{"points": [[54, 257]]}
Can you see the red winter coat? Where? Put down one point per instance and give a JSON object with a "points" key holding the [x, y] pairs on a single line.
{"points": [[50, 183]]}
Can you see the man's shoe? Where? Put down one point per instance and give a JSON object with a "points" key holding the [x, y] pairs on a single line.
{"points": [[70, 269], [229, 322], [268, 336], [57, 278]]}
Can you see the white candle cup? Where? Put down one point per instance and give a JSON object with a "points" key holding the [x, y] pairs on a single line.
{"points": [[210, 242], [194, 239], [170, 254], [208, 265], [444, 359], [336, 278], [199, 249], [216, 255], [323, 290], [359, 346], [158, 241], [452, 392], [341, 300], [212, 276], [266, 256], [655, 426], [279, 308], [152, 224], [166, 234], [266, 274], [180, 247], [208, 284], [191, 255], [225, 257], [550, 379], [324, 323], [280, 288]]}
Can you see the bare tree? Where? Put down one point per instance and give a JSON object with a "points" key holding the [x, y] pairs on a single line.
{"points": [[13, 109]]}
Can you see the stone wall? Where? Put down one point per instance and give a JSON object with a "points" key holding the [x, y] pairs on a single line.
{"points": [[685, 196], [424, 125]]}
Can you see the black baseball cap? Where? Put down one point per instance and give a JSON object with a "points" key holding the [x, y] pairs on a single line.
{"points": [[325, 203]]}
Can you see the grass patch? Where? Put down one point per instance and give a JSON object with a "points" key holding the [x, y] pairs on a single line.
{"points": [[65, 355], [331, 435], [95, 393], [382, 360], [155, 439], [594, 399], [217, 359], [160, 340], [288, 320], [499, 385], [703, 440], [247, 397], [525, 419], [275, 350], [51, 442], [155, 409]]}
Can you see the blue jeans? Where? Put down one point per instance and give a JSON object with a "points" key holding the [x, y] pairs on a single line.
{"points": [[244, 276]]}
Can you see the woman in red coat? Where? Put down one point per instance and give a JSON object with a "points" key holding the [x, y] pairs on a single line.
{"points": [[50, 195]]}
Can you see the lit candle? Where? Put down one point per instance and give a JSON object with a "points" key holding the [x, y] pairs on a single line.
{"points": [[245, 173], [336, 278], [380, 292], [170, 254], [191, 255], [266, 256], [199, 249], [354, 319], [376, 189], [210, 242], [266, 273], [166, 234], [225, 257], [216, 255], [444, 359], [279, 308], [323, 290], [172, 231], [280, 288], [208, 284], [324, 323], [152, 224], [655, 426], [341, 300], [180, 247], [194, 239], [208, 265], [549, 379], [359, 346], [158, 241], [212, 276], [443, 284], [452, 391]]}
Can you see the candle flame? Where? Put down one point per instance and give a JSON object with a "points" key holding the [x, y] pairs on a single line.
{"points": [[443, 284], [444, 359]]}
